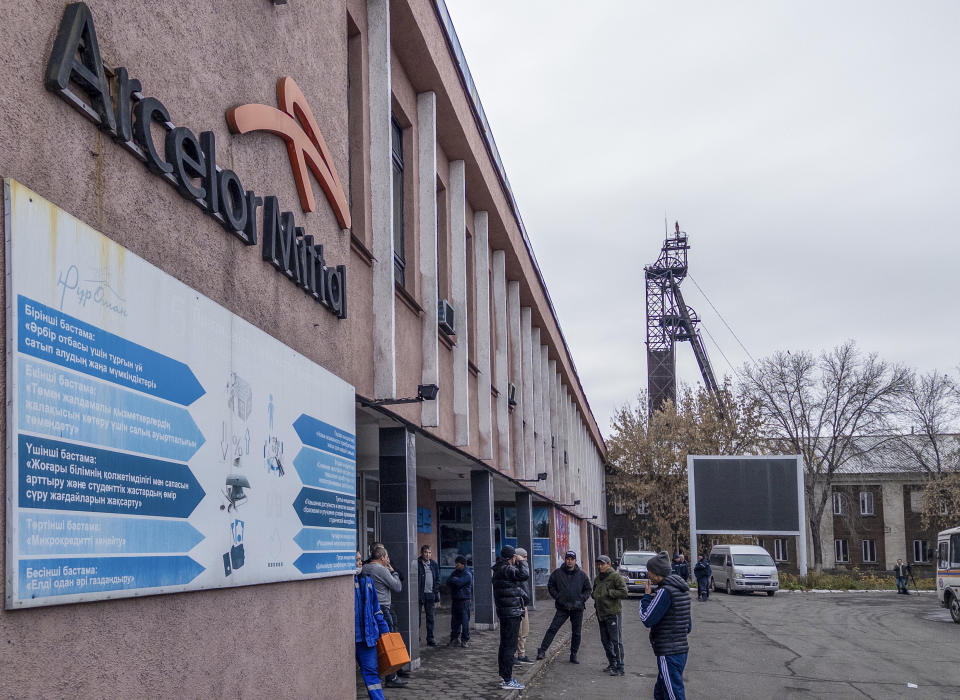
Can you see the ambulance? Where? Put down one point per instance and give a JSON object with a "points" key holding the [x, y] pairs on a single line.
{"points": [[948, 571]]}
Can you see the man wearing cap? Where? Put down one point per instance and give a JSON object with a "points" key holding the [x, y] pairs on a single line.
{"points": [[522, 657], [460, 583], [509, 573], [667, 614], [569, 586], [609, 589]]}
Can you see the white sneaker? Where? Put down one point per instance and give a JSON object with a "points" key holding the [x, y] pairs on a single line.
{"points": [[512, 684]]}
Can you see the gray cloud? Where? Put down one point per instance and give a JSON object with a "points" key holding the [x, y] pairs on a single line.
{"points": [[810, 150]]}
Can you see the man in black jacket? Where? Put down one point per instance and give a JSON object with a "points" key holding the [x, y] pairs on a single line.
{"points": [[570, 588], [667, 614], [902, 571], [429, 594], [509, 573]]}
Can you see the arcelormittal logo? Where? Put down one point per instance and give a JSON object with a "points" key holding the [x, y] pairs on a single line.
{"points": [[295, 124]]}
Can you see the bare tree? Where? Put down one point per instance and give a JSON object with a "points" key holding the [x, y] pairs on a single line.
{"points": [[931, 408], [817, 406], [648, 454]]}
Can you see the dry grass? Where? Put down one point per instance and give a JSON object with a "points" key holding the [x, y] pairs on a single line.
{"points": [[854, 580]]}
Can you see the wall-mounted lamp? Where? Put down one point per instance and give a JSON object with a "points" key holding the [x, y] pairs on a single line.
{"points": [[593, 517], [570, 505], [425, 392], [542, 476], [511, 394]]}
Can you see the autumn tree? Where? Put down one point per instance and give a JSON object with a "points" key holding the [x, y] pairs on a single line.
{"points": [[648, 453], [930, 413], [820, 407]]}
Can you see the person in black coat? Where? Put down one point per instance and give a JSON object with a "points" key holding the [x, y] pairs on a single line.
{"points": [[681, 568], [702, 572], [509, 573], [570, 588], [460, 583]]}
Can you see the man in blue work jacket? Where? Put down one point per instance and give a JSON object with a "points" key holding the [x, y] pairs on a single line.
{"points": [[667, 614], [369, 626]]}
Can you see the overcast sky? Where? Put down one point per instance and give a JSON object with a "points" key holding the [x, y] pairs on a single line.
{"points": [[810, 150]]}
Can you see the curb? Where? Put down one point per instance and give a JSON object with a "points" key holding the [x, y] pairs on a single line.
{"points": [[540, 667]]}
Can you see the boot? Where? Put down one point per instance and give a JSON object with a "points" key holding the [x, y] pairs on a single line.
{"points": [[573, 658]]}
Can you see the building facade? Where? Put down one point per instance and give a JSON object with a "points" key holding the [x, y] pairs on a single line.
{"points": [[374, 243]]}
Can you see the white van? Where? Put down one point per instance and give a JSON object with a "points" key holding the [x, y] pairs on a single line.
{"points": [[948, 571], [743, 567]]}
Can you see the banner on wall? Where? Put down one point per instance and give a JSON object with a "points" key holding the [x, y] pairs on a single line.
{"points": [[563, 535], [156, 442]]}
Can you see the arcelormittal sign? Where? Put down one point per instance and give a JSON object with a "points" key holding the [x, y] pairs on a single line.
{"points": [[114, 101]]}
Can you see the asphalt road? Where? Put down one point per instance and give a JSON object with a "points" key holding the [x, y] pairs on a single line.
{"points": [[793, 645]]}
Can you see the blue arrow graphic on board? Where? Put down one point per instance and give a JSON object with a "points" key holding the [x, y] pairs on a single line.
{"points": [[324, 436], [64, 404], [41, 578], [62, 339], [61, 476], [326, 562], [319, 508], [325, 470], [73, 533], [315, 539]]}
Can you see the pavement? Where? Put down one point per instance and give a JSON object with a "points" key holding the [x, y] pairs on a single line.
{"points": [[452, 673], [793, 645]]}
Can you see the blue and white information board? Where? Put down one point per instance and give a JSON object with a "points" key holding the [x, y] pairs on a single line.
{"points": [[156, 442]]}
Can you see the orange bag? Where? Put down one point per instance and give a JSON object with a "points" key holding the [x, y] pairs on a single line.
{"points": [[391, 653]]}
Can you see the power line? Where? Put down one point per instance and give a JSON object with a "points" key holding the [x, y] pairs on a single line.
{"points": [[719, 349], [722, 319]]}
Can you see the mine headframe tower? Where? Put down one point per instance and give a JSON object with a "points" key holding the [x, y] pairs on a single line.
{"points": [[669, 320]]}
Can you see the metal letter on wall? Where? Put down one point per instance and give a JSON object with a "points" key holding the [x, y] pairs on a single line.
{"points": [[156, 442]]}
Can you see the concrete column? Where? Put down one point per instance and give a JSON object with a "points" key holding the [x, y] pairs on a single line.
{"points": [[537, 405], [381, 199], [458, 286], [524, 500], [481, 509], [515, 339], [501, 375], [545, 433], [591, 555], [555, 451], [398, 525], [564, 446], [481, 267], [529, 415], [427, 176], [826, 531], [894, 527]]}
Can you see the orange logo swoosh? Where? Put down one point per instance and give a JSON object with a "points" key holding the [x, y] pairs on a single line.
{"points": [[295, 124]]}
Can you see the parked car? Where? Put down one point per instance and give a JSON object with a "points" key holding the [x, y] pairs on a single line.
{"points": [[743, 568], [633, 568]]}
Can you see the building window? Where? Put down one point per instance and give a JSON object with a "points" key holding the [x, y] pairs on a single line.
{"points": [[618, 508], [841, 551], [917, 500], [869, 551], [618, 547], [780, 549], [643, 545], [837, 503], [396, 147], [643, 508], [866, 503], [920, 551]]}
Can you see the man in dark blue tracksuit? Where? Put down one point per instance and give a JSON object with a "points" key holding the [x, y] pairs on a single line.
{"points": [[460, 583], [667, 614]]}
